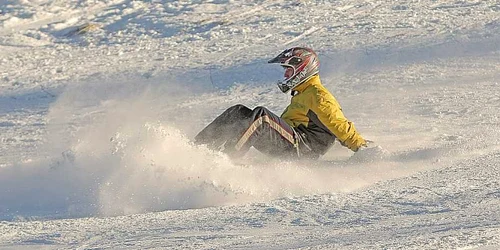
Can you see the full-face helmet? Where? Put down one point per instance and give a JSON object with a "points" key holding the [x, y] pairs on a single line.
{"points": [[300, 65]]}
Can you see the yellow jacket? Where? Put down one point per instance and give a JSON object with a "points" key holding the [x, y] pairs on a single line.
{"points": [[317, 117]]}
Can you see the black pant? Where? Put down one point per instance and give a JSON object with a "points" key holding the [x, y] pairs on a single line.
{"points": [[239, 128]]}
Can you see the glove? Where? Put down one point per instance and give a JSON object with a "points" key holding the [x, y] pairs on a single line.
{"points": [[367, 144], [370, 152]]}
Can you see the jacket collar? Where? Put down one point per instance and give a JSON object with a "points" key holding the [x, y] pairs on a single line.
{"points": [[314, 80]]}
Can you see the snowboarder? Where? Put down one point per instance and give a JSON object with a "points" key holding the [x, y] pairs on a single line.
{"points": [[307, 128]]}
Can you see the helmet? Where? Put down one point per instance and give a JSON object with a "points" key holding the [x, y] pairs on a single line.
{"points": [[300, 64]]}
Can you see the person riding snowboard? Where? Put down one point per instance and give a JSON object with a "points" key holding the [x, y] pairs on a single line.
{"points": [[307, 128]]}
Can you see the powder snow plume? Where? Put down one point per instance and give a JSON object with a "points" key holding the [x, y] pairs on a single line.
{"points": [[124, 148]]}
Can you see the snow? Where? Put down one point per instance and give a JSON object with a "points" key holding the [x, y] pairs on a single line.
{"points": [[99, 101]]}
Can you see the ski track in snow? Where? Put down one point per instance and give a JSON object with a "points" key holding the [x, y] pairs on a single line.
{"points": [[99, 101]]}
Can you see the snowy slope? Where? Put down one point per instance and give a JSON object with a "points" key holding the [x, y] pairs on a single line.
{"points": [[99, 101]]}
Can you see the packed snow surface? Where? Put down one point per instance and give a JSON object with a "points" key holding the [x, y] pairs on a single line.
{"points": [[100, 100]]}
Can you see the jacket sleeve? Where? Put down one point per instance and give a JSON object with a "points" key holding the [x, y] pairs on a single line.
{"points": [[330, 114]]}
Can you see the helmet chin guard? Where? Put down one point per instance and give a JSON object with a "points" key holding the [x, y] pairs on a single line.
{"points": [[283, 86], [304, 63]]}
